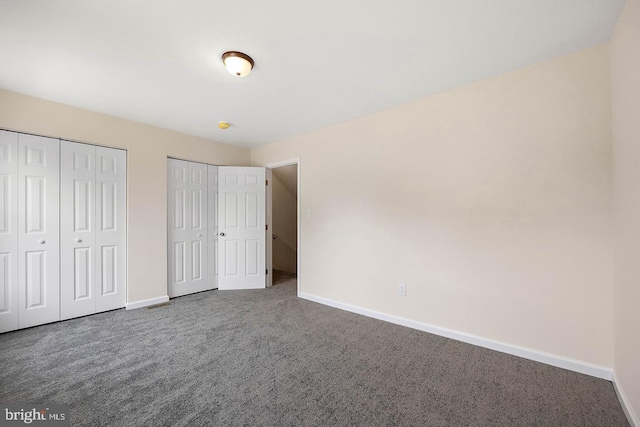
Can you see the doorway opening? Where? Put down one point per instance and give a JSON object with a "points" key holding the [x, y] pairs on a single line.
{"points": [[285, 222]]}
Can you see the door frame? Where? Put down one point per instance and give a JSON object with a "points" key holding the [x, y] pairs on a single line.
{"points": [[275, 165]]}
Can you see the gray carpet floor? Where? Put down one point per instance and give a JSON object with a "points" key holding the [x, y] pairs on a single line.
{"points": [[267, 358]]}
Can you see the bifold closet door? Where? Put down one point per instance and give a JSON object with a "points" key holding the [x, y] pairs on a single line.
{"points": [[93, 229], [188, 228], [78, 229], [38, 230], [8, 231], [212, 191], [111, 223]]}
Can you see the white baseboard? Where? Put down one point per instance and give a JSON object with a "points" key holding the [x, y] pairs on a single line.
{"points": [[146, 302], [626, 406], [538, 356]]}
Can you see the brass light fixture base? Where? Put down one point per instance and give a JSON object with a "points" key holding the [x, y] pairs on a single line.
{"points": [[243, 57]]}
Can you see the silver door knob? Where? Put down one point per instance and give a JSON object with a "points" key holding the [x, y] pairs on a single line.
{"points": [[41, 241], [78, 240], [222, 234], [199, 235]]}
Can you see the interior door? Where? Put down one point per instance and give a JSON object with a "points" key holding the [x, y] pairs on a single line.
{"points": [[188, 228], [241, 216], [77, 229], [212, 172], [38, 235], [198, 269], [8, 231], [111, 222], [179, 256]]}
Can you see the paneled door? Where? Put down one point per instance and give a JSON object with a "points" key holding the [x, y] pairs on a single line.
{"points": [[93, 229], [38, 230], [178, 229], [77, 229], [241, 230], [188, 227], [111, 223], [212, 191], [8, 231]]}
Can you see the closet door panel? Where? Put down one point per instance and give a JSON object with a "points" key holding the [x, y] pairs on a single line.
{"points": [[8, 231], [179, 215], [212, 223], [188, 231], [198, 227], [111, 221], [38, 230], [77, 229]]}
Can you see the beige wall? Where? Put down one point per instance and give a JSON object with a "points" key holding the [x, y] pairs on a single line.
{"points": [[625, 91], [147, 150], [492, 202], [285, 208]]}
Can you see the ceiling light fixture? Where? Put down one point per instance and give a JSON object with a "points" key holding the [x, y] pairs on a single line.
{"points": [[223, 125], [237, 63]]}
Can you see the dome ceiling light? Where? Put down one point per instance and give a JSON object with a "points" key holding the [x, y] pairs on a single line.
{"points": [[237, 63]]}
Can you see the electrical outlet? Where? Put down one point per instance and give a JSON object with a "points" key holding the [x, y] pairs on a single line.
{"points": [[402, 289], [309, 213]]}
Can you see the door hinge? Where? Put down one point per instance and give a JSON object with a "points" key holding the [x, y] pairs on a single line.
{"points": [[267, 182], [266, 227], [267, 272]]}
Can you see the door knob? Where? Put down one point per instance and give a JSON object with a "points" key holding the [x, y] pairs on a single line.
{"points": [[199, 235], [78, 240], [41, 241], [222, 234]]}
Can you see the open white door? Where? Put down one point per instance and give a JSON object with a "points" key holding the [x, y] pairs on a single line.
{"points": [[241, 232], [269, 232]]}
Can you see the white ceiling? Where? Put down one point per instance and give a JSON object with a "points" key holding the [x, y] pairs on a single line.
{"points": [[317, 62]]}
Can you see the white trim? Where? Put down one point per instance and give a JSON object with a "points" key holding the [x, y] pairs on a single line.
{"points": [[538, 356], [290, 162], [147, 302], [624, 402], [282, 163], [268, 199]]}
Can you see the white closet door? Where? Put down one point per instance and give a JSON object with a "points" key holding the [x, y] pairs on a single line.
{"points": [[77, 229], [111, 223], [8, 231], [178, 232], [188, 228], [213, 226], [38, 235], [198, 198], [241, 216]]}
